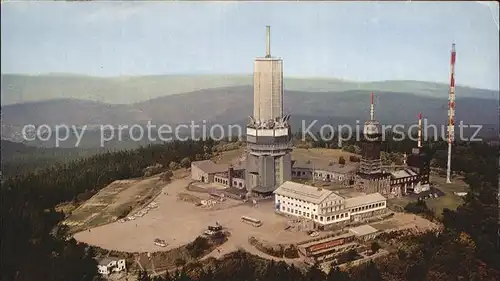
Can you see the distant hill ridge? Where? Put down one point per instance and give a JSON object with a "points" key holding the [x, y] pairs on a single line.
{"points": [[131, 89], [231, 104]]}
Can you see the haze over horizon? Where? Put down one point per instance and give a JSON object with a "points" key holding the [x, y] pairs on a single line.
{"points": [[350, 41]]}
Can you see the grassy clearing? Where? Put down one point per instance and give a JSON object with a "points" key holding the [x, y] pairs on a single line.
{"points": [[437, 205], [320, 154], [314, 154], [450, 201], [105, 206], [226, 157]]}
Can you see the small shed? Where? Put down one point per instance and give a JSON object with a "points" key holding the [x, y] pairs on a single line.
{"points": [[364, 232]]}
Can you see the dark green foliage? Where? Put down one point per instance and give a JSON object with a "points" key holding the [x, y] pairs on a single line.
{"points": [[353, 158], [348, 256], [182, 276], [30, 251], [367, 271], [291, 252], [185, 162], [124, 212], [167, 175], [143, 276], [66, 182], [315, 273], [207, 275], [18, 158], [341, 160], [180, 262], [173, 165], [198, 246], [418, 207], [33, 248], [374, 247], [336, 274], [164, 277]]}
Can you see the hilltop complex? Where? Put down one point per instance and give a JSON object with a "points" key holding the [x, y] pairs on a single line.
{"points": [[266, 168]]}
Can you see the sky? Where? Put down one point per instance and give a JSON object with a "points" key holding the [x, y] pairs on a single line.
{"points": [[361, 41]]}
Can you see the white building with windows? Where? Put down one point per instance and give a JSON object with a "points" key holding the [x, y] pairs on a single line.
{"points": [[324, 207], [108, 265]]}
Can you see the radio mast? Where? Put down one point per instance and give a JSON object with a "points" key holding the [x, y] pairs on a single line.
{"points": [[451, 112]]}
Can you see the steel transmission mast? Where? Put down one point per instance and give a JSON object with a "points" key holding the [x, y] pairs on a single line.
{"points": [[451, 112]]}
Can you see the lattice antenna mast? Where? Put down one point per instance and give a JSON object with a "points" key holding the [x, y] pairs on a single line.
{"points": [[451, 112]]}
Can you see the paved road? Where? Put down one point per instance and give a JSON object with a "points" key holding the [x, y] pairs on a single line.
{"points": [[231, 246]]}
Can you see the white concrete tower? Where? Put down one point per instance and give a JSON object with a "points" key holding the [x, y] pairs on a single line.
{"points": [[268, 85], [268, 132]]}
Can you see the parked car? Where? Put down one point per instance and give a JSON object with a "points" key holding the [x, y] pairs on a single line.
{"points": [[314, 234], [160, 242]]}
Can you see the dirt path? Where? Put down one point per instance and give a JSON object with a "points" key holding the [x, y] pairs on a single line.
{"points": [[232, 246]]}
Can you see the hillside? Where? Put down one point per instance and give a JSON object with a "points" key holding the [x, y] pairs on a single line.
{"points": [[233, 104], [127, 90], [18, 158]]}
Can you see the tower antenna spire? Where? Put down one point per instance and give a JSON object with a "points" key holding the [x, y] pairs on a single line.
{"points": [[372, 109], [451, 111], [419, 136], [268, 41]]}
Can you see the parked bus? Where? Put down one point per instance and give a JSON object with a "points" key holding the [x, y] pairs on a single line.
{"points": [[251, 221]]}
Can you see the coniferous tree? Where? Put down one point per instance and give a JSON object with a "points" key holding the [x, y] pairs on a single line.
{"points": [[315, 273], [335, 274], [143, 276]]}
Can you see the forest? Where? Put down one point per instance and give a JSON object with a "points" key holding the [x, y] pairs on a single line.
{"points": [[35, 247]]}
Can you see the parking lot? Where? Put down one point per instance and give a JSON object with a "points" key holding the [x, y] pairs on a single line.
{"points": [[179, 222]]}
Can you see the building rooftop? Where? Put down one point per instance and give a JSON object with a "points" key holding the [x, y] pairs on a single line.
{"points": [[402, 174], [209, 167], [411, 172], [363, 230], [106, 260], [326, 239], [363, 200], [325, 166], [305, 192]]}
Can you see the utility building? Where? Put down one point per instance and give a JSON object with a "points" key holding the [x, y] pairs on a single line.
{"points": [[268, 133]]}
